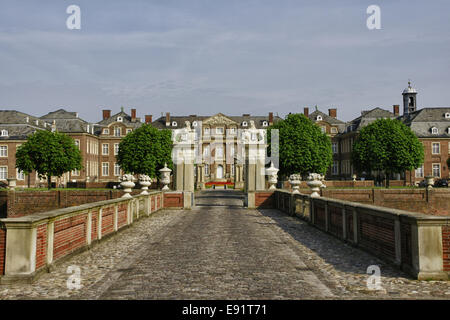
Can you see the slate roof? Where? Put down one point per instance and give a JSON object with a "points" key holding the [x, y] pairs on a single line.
{"points": [[326, 118], [67, 122], [421, 122], [160, 123], [15, 122], [126, 120], [367, 117]]}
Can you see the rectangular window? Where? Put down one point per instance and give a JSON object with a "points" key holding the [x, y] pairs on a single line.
{"points": [[105, 169], [232, 170], [20, 175], [437, 170], [219, 130], [105, 149], [323, 129], [231, 151], [206, 151], [77, 143], [75, 172], [117, 131], [3, 151], [206, 169], [105, 131], [335, 168], [3, 173], [206, 131], [232, 130], [419, 172], [436, 148], [334, 130], [334, 147], [116, 169], [116, 149]]}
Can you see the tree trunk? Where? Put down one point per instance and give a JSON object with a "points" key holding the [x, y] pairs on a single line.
{"points": [[28, 178], [49, 182], [387, 180]]}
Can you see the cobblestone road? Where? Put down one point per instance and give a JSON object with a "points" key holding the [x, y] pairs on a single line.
{"points": [[222, 252]]}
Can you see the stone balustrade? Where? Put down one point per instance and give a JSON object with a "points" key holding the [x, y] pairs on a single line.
{"points": [[33, 243], [417, 243]]}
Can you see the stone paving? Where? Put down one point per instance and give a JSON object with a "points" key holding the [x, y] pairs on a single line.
{"points": [[224, 251]]}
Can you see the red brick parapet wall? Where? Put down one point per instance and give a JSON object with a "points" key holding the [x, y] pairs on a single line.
{"points": [[417, 243], [22, 203], [29, 245]]}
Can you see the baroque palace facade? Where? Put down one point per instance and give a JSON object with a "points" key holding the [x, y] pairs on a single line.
{"points": [[98, 142]]}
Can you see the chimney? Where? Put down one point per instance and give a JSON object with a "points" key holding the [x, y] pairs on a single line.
{"points": [[332, 113], [396, 108], [306, 111], [106, 114], [167, 119], [246, 115], [270, 118], [133, 115], [148, 118]]}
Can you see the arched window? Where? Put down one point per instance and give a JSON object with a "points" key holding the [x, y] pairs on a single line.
{"points": [[411, 101]]}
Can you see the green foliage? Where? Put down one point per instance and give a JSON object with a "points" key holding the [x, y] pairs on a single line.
{"points": [[145, 150], [303, 147], [49, 153], [387, 145]]}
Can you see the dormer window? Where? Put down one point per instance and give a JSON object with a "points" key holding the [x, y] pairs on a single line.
{"points": [[174, 124], [265, 124], [334, 130], [105, 131], [244, 123], [448, 131], [447, 115], [119, 119], [434, 130], [4, 133], [319, 118], [129, 130]]}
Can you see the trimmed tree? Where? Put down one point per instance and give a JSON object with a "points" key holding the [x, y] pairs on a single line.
{"points": [[389, 146], [145, 150], [49, 153], [303, 147]]}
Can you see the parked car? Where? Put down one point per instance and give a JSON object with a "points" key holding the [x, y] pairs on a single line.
{"points": [[422, 184], [441, 183]]}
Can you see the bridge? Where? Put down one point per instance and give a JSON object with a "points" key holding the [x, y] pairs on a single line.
{"points": [[222, 250]]}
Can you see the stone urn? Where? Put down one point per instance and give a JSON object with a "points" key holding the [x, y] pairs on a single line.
{"points": [[127, 184], [12, 183], [145, 181], [165, 177], [314, 181], [272, 176], [430, 182], [295, 180]]}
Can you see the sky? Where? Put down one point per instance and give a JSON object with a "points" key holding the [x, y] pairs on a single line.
{"points": [[209, 56]]}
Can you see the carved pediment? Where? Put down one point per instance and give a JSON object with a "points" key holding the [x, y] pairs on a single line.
{"points": [[219, 119]]}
